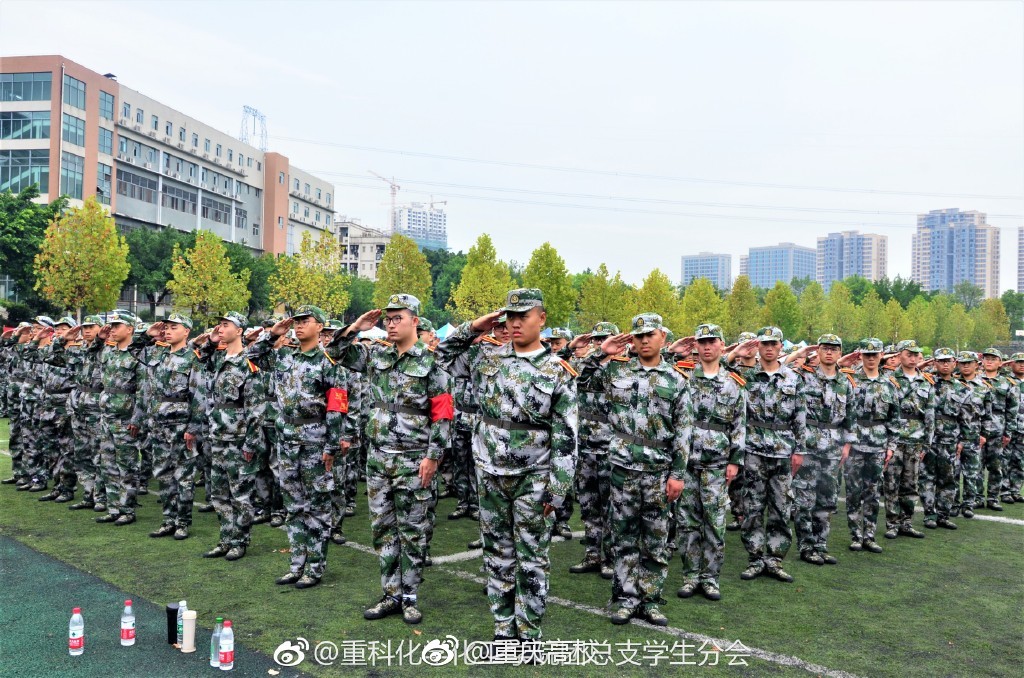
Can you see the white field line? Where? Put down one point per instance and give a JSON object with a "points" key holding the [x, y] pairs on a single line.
{"points": [[977, 516]]}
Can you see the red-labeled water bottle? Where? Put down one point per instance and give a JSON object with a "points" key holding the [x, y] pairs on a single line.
{"points": [[227, 647], [76, 633], [127, 625]]}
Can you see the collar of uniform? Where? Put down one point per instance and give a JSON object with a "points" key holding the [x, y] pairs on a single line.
{"points": [[507, 350], [698, 371], [781, 373], [634, 364]]}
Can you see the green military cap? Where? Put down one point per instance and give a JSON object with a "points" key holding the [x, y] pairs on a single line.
{"points": [[908, 345], [871, 345], [92, 320], [645, 323], [967, 357], [708, 331], [408, 302], [119, 317], [523, 299], [745, 336], [334, 325], [66, 320], [425, 325], [943, 353], [316, 312], [503, 318], [830, 340], [561, 333], [991, 350], [44, 320], [604, 329], [180, 319], [235, 318], [770, 333], [23, 324], [1017, 357], [141, 327]]}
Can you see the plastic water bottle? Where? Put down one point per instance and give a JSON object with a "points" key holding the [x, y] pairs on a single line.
{"points": [[215, 643], [76, 633], [227, 647], [127, 625], [181, 610]]}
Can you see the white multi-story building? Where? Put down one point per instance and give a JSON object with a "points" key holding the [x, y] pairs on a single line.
{"points": [[841, 255], [425, 224], [362, 247], [715, 267], [951, 247], [785, 261]]}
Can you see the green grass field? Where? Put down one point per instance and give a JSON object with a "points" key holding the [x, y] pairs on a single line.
{"points": [[946, 605]]}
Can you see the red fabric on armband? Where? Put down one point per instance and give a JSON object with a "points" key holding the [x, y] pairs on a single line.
{"points": [[442, 407], [337, 400]]}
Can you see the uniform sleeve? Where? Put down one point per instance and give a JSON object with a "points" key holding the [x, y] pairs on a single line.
{"points": [[344, 349], [738, 431], [262, 351], [458, 342], [442, 411], [929, 417], [341, 424], [799, 420], [1012, 410], [893, 422], [564, 427], [682, 427]]}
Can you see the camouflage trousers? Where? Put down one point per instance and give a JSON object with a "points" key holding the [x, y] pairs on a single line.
{"points": [[970, 476], [462, 458], [639, 514], [119, 467], [15, 442], [174, 468], [937, 480], [84, 425], [593, 489], [446, 472], [400, 508], [766, 506], [700, 516], [899, 484], [516, 536], [736, 497], [862, 474], [276, 502], [355, 460], [205, 464], [1014, 467], [145, 447], [233, 482], [306, 487], [339, 495], [815, 493], [51, 451], [993, 460], [265, 481]]}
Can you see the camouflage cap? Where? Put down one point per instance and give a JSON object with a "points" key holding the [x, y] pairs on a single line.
{"points": [[523, 299], [317, 313], [871, 345], [333, 325], [830, 340], [44, 320], [604, 329], [770, 333], [708, 331], [561, 333], [943, 353], [745, 336], [399, 302], [425, 325], [645, 323], [235, 318], [991, 350], [503, 318], [908, 345], [1017, 357], [967, 357], [180, 319], [92, 320], [24, 324], [119, 317], [141, 327], [66, 320]]}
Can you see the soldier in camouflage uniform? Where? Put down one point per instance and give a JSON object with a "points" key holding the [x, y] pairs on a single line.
{"points": [[61, 367], [917, 410], [524, 446], [231, 420], [16, 343], [719, 442], [776, 439], [952, 427], [557, 342], [1014, 479], [36, 378], [340, 498], [647, 403], [594, 473], [84, 404], [876, 404], [742, 364], [1001, 426], [466, 411], [980, 403], [830, 423], [408, 430]]}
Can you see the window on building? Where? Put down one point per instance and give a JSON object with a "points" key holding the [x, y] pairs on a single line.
{"points": [[20, 169], [295, 208], [72, 173], [241, 159], [24, 125], [140, 116], [126, 111], [241, 219], [318, 215], [122, 145], [136, 186], [280, 222], [306, 192], [305, 213], [216, 210], [231, 155], [103, 182], [181, 134], [296, 185], [180, 199], [73, 130], [217, 153], [256, 230], [168, 128], [25, 86], [259, 167], [318, 194], [106, 105], [328, 199], [206, 145], [155, 121], [280, 178], [74, 92], [248, 161], [106, 141]]}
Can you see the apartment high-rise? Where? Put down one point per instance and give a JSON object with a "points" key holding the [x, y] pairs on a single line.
{"points": [[425, 224], [767, 265], [848, 253], [715, 267], [362, 247], [951, 247]]}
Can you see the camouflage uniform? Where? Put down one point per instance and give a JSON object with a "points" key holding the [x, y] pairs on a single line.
{"points": [[917, 410], [18, 409], [830, 426], [462, 439], [1015, 452], [524, 447], [409, 417], [60, 383], [979, 401], [719, 439], [85, 415], [1002, 422], [736, 486], [952, 426]]}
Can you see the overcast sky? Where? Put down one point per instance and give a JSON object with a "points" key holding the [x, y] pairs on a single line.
{"points": [[625, 133]]}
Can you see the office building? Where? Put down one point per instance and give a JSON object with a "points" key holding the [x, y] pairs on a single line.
{"points": [[715, 267], [362, 247], [951, 247], [849, 253], [425, 224], [767, 265]]}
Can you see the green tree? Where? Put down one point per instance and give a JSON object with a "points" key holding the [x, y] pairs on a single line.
{"points": [[260, 269], [839, 315], [921, 315], [897, 326], [1013, 302], [82, 262], [798, 285], [872, 315], [446, 272], [361, 292], [991, 324], [957, 329], [859, 287], [547, 272], [968, 294], [202, 282], [658, 295], [22, 224], [312, 276], [701, 304], [782, 310], [402, 270], [742, 310], [812, 312], [484, 283], [905, 290], [149, 256], [603, 298]]}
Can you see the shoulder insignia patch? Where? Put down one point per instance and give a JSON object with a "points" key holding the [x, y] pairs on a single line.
{"points": [[681, 371], [849, 376], [686, 364], [847, 370], [111, 343], [929, 378], [162, 343], [894, 382], [329, 358], [383, 343], [1013, 382], [491, 340], [252, 366], [196, 351], [738, 379], [620, 358], [568, 368]]}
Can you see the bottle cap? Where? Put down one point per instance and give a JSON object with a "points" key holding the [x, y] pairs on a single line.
{"points": [[220, 620], [227, 623], [76, 610], [128, 603]]}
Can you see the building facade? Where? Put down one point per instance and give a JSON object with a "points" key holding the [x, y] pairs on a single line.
{"points": [[715, 267], [767, 265], [362, 247], [951, 247], [425, 224], [849, 253]]}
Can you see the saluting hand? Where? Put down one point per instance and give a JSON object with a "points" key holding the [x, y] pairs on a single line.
{"points": [[616, 344], [156, 328], [683, 345], [486, 323], [366, 321], [580, 340], [281, 327], [849, 359], [104, 332]]}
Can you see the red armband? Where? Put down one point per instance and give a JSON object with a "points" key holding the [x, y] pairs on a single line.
{"points": [[442, 407], [337, 400]]}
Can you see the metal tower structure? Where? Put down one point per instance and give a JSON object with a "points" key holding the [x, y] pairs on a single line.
{"points": [[258, 122]]}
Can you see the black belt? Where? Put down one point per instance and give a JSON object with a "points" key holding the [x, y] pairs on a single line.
{"points": [[712, 426], [90, 389], [469, 409], [231, 406], [646, 442], [944, 417], [871, 422], [510, 425], [771, 425], [297, 421], [401, 409], [120, 391], [595, 416], [825, 424], [175, 399], [914, 417]]}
